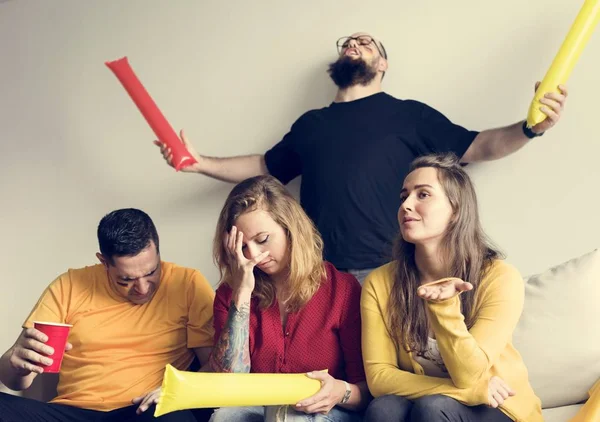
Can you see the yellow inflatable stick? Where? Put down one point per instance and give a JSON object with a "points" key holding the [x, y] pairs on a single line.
{"points": [[192, 390], [591, 409], [565, 59]]}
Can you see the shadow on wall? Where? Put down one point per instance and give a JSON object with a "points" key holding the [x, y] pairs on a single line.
{"points": [[43, 388]]}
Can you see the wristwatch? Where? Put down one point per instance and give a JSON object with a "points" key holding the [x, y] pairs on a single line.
{"points": [[346, 394], [530, 133]]}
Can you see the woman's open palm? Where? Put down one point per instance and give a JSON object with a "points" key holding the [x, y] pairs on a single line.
{"points": [[443, 289]]}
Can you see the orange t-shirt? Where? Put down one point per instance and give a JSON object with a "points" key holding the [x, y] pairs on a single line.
{"points": [[120, 349]]}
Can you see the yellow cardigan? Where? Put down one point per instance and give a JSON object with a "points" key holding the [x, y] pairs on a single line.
{"points": [[471, 357], [591, 409]]}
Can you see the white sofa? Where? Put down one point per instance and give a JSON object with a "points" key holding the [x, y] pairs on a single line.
{"points": [[558, 334]]}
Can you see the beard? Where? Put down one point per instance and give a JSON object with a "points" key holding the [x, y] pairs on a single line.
{"points": [[346, 72]]}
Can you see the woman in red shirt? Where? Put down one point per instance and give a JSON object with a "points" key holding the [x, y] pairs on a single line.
{"points": [[281, 309]]}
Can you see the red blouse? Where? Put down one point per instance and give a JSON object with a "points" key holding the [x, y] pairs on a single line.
{"points": [[324, 334]]}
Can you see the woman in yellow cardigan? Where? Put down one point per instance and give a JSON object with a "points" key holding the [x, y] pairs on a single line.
{"points": [[437, 322]]}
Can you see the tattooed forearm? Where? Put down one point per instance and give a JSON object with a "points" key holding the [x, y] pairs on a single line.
{"points": [[232, 351]]}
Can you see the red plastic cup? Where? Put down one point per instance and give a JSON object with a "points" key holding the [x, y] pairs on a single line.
{"points": [[57, 339]]}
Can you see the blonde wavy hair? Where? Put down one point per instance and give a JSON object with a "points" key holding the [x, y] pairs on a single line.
{"points": [[305, 246]]}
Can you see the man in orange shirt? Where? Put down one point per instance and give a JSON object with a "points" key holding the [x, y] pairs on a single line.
{"points": [[131, 315]]}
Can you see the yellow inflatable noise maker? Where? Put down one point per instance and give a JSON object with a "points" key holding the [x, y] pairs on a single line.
{"points": [[565, 59], [193, 390]]}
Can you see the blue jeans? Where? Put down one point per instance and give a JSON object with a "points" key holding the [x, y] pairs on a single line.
{"points": [[271, 414], [360, 274], [436, 408]]}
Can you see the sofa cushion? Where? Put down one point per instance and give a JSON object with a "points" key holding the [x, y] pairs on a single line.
{"points": [[558, 331], [561, 414]]}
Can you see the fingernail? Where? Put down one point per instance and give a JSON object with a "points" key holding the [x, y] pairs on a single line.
{"points": [[49, 350], [44, 338], [48, 361]]}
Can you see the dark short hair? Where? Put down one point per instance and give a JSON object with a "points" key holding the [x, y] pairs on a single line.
{"points": [[385, 55], [126, 232]]}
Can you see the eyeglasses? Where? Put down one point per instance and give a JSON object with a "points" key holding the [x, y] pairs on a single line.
{"points": [[344, 42]]}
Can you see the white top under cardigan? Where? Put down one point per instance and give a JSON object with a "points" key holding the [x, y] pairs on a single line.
{"points": [[431, 360]]}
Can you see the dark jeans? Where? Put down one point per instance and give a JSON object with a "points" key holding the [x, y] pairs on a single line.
{"points": [[20, 409], [429, 409], [359, 274]]}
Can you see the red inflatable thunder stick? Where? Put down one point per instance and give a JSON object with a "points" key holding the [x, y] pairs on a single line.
{"points": [[148, 108]]}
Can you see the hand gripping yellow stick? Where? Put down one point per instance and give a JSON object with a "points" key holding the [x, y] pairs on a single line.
{"points": [[591, 409], [193, 390], [565, 59]]}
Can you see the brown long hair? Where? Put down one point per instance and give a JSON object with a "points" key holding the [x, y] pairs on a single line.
{"points": [[465, 248], [305, 245]]}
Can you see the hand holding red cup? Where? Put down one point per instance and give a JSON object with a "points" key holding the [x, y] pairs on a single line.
{"points": [[57, 335], [38, 352]]}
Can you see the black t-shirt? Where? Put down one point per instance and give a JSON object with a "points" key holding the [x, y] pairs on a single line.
{"points": [[353, 158]]}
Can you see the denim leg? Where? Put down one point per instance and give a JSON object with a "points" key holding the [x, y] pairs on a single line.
{"points": [[361, 274], [388, 409], [445, 409], [289, 414], [239, 414]]}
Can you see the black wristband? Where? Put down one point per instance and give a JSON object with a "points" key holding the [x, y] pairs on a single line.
{"points": [[530, 133]]}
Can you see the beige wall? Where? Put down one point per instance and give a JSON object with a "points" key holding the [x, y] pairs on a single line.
{"points": [[236, 74]]}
